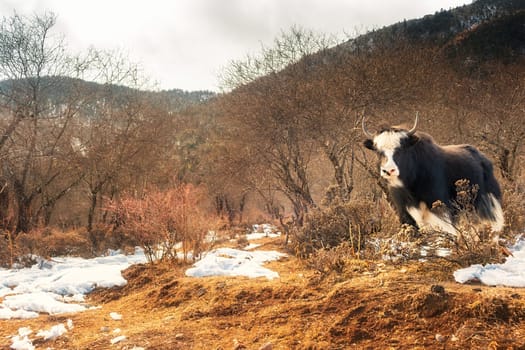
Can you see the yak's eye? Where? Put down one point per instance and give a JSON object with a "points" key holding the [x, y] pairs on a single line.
{"points": [[382, 155]]}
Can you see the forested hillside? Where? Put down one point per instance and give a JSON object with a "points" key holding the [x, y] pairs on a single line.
{"points": [[462, 70], [282, 141]]}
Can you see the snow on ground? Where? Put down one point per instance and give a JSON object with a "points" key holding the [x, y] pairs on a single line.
{"points": [[59, 285], [21, 341], [53, 333], [510, 274], [118, 339], [234, 262], [263, 231], [251, 246], [115, 316]]}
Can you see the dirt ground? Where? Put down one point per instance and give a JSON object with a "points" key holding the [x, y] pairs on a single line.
{"points": [[369, 305]]}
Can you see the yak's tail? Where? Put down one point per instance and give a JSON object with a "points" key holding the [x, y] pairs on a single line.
{"points": [[489, 201]]}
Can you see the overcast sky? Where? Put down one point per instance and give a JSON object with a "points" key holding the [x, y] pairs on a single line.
{"points": [[184, 44]]}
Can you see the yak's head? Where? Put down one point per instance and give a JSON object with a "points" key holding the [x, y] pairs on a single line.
{"points": [[390, 143]]}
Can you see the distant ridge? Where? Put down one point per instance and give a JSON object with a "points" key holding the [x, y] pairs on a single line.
{"points": [[487, 29], [58, 87]]}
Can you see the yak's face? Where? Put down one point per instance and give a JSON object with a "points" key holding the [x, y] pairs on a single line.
{"points": [[391, 146]]}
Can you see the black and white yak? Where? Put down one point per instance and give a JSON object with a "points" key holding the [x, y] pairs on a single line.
{"points": [[419, 173]]}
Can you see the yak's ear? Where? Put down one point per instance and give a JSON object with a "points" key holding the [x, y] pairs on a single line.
{"points": [[369, 144]]}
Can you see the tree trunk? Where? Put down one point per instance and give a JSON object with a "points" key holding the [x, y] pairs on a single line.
{"points": [[92, 208]]}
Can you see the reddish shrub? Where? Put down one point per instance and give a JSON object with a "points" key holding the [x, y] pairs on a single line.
{"points": [[164, 223]]}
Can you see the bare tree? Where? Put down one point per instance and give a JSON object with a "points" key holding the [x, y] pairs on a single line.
{"points": [[125, 139], [498, 109], [267, 108], [34, 123]]}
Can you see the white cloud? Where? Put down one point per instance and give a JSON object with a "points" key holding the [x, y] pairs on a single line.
{"points": [[185, 43]]}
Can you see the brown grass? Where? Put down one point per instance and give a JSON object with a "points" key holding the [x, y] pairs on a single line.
{"points": [[366, 305]]}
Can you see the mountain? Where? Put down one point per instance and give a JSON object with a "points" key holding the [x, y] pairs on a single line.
{"points": [[501, 38], [58, 88], [445, 24], [180, 98], [486, 29]]}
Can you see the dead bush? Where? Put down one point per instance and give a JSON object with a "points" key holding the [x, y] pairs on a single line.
{"points": [[475, 242], [514, 197], [71, 243], [8, 249], [48, 242], [349, 222], [106, 237], [334, 259], [168, 225]]}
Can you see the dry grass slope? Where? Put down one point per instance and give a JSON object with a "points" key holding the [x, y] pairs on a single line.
{"points": [[368, 305]]}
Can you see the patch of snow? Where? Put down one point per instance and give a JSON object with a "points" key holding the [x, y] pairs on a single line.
{"points": [[263, 231], [511, 273], [251, 246], [211, 237], [4, 290], [22, 341], [115, 316], [59, 285], [441, 252], [118, 339], [7, 313], [53, 333], [40, 302], [24, 331], [233, 262]]}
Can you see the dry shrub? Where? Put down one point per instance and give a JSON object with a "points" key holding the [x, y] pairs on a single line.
{"points": [[164, 223], [49, 242], [403, 244], [475, 242], [104, 237], [514, 198], [242, 241], [335, 259], [71, 243], [350, 222], [8, 249], [471, 231]]}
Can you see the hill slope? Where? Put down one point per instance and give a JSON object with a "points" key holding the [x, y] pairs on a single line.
{"points": [[369, 304], [485, 29]]}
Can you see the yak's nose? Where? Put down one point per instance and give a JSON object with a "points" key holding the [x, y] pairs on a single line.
{"points": [[389, 171]]}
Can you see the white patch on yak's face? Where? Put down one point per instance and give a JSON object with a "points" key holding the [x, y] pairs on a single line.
{"points": [[386, 144]]}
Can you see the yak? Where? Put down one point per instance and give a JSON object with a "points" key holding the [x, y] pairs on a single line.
{"points": [[421, 173]]}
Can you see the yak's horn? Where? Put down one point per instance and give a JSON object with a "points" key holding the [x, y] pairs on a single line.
{"points": [[413, 130], [367, 134]]}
